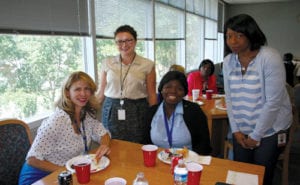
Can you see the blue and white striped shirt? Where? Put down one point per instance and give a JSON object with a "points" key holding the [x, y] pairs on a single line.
{"points": [[257, 102]]}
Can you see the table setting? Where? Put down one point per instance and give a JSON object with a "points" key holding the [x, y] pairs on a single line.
{"points": [[126, 160]]}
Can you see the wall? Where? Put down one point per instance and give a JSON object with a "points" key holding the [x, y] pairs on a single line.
{"points": [[279, 21]]}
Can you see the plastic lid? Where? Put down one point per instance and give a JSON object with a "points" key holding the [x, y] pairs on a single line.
{"points": [[141, 174]]}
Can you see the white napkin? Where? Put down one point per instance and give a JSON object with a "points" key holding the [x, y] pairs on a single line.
{"points": [[201, 159], [240, 178]]}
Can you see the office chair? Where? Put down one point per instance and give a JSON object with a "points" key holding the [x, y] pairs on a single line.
{"points": [[285, 154], [15, 141], [227, 146], [297, 99]]}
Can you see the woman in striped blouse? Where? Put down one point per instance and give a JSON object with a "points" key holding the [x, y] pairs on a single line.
{"points": [[258, 105]]}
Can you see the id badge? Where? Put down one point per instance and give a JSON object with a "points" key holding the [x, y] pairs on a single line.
{"points": [[281, 139], [121, 114]]}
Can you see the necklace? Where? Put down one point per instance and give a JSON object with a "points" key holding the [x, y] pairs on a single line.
{"points": [[243, 70], [246, 59]]}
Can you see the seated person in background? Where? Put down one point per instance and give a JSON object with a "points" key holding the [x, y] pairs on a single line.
{"points": [[175, 122], [289, 68], [68, 132], [176, 67], [220, 80], [203, 79]]}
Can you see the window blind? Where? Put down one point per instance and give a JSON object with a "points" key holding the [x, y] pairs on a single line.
{"points": [[114, 13], [44, 16]]}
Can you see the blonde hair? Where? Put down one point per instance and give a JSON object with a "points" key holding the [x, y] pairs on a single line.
{"points": [[176, 67], [65, 102]]}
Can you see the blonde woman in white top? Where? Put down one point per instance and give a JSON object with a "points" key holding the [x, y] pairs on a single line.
{"points": [[127, 88], [68, 132]]}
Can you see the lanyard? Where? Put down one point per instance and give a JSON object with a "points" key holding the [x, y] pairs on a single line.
{"points": [[122, 80], [83, 134], [84, 138], [169, 130]]}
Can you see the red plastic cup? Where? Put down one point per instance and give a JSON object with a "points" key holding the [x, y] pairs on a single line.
{"points": [[83, 170], [194, 173], [209, 94], [149, 154], [174, 161]]}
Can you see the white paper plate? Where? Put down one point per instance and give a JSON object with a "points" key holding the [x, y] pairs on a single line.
{"points": [[95, 167], [200, 102], [221, 107], [164, 156], [191, 157], [215, 96], [218, 96]]}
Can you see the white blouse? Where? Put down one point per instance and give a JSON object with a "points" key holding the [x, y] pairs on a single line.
{"points": [[57, 142], [134, 76]]}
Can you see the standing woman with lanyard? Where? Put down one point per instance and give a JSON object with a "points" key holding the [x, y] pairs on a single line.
{"points": [[258, 104], [127, 88]]}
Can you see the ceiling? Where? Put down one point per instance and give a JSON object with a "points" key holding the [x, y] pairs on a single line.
{"points": [[252, 1]]}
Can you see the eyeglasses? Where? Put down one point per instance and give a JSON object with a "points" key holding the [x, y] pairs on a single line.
{"points": [[121, 42]]}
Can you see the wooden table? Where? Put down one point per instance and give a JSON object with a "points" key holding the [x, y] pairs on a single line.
{"points": [[126, 160], [212, 113], [217, 124]]}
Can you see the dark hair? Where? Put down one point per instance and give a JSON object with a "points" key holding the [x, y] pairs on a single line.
{"points": [[288, 57], [128, 29], [245, 24], [173, 75], [207, 61]]}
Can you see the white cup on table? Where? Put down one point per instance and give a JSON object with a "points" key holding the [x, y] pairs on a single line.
{"points": [[195, 93]]}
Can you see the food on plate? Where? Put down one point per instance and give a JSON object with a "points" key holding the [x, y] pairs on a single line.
{"points": [[95, 165], [169, 153], [94, 161], [184, 151], [223, 103]]}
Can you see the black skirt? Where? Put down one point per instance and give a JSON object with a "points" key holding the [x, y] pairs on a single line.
{"points": [[133, 127]]}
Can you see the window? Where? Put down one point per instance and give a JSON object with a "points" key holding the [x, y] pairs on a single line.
{"points": [[55, 38], [169, 33], [211, 36], [211, 9], [195, 40], [195, 6], [211, 50], [32, 71], [109, 15]]}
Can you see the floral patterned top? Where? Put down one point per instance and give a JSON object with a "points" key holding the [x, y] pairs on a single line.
{"points": [[57, 142]]}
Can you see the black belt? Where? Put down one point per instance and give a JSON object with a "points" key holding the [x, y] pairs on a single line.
{"points": [[127, 99]]}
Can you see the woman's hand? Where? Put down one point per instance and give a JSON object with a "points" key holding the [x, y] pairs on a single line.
{"points": [[251, 143], [102, 150], [245, 142], [240, 138], [104, 147]]}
